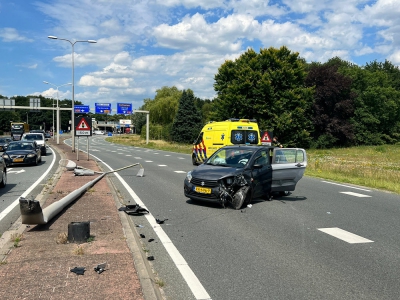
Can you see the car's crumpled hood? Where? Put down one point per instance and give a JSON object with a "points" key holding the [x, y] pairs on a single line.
{"points": [[211, 172]]}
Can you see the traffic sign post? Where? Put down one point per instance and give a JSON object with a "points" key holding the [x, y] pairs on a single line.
{"points": [[266, 138], [83, 128]]}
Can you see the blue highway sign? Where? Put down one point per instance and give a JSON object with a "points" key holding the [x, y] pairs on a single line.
{"points": [[103, 108], [84, 109]]}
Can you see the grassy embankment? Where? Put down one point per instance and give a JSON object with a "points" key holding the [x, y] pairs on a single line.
{"points": [[371, 166]]}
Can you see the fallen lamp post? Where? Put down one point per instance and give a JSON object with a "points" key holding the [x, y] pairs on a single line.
{"points": [[32, 213]]}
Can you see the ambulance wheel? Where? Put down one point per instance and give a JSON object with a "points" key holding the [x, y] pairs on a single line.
{"points": [[194, 161]]}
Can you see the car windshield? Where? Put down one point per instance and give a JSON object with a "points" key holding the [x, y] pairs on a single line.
{"points": [[33, 137], [20, 146], [231, 157]]}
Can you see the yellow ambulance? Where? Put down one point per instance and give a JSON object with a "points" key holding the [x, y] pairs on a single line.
{"points": [[215, 135]]}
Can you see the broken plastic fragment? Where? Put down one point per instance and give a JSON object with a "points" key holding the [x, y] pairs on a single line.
{"points": [[100, 268], [78, 270], [142, 236], [138, 225], [133, 209], [150, 258], [161, 221], [150, 240]]}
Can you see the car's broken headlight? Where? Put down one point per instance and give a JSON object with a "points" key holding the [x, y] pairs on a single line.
{"points": [[229, 180], [189, 176]]}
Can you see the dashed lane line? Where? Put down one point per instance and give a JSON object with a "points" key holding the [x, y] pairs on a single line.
{"points": [[356, 194], [348, 186], [344, 235]]}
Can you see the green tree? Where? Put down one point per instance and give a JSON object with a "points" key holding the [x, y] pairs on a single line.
{"points": [[377, 108], [187, 123], [269, 87], [333, 106], [164, 106]]}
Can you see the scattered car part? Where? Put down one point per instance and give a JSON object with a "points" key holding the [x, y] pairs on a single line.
{"points": [[78, 270], [161, 221], [133, 209], [100, 268]]}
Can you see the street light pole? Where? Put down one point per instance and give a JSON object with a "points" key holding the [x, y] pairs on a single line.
{"points": [[58, 111], [73, 84]]}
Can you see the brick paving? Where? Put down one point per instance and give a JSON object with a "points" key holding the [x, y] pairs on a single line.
{"points": [[39, 267]]}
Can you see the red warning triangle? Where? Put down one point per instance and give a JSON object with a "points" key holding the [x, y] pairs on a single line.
{"points": [[266, 138], [82, 125]]}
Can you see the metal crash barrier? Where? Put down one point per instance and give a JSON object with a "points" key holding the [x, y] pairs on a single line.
{"points": [[31, 211]]}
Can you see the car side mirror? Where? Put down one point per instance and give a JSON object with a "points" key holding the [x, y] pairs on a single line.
{"points": [[257, 166]]}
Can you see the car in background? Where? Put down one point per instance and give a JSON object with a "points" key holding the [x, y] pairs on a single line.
{"points": [[99, 132], [22, 152], [47, 135], [3, 172], [235, 175], [38, 138], [3, 144]]}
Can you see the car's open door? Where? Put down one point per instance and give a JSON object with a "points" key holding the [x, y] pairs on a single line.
{"points": [[288, 166]]}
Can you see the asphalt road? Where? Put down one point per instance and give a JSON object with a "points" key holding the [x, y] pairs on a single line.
{"points": [[24, 181], [324, 241]]}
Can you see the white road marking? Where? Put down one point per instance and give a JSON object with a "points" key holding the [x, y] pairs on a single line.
{"points": [[349, 186], [16, 172], [167, 155], [344, 235], [162, 165], [356, 194], [137, 157], [149, 161], [128, 155], [180, 172], [181, 158]]}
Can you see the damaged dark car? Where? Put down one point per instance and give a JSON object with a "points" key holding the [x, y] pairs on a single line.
{"points": [[235, 175]]}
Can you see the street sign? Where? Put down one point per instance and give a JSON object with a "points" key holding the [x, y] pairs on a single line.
{"points": [[124, 108], [83, 126], [102, 108], [84, 109], [266, 138]]}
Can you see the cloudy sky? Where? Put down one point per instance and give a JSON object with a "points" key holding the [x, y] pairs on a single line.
{"points": [[145, 45]]}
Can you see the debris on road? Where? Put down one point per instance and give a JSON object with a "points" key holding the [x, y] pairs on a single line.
{"points": [[78, 270], [133, 209]]}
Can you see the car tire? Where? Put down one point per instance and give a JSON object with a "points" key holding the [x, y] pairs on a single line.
{"points": [[3, 181], [241, 196]]}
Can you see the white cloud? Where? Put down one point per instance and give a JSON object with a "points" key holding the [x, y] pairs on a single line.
{"points": [[11, 35]]}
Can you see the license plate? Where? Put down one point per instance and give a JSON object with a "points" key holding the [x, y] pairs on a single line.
{"points": [[202, 190], [18, 160]]}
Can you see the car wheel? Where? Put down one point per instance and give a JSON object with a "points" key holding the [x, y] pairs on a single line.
{"points": [[240, 197], [36, 162], [3, 181]]}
